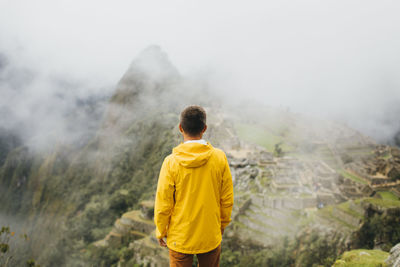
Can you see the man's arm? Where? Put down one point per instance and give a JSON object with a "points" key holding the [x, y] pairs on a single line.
{"points": [[164, 202], [226, 196]]}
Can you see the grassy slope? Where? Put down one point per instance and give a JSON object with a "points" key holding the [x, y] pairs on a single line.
{"points": [[388, 195], [345, 206], [260, 136], [328, 211], [384, 203], [362, 258], [353, 177]]}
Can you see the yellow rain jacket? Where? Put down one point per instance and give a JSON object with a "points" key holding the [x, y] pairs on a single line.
{"points": [[194, 198]]}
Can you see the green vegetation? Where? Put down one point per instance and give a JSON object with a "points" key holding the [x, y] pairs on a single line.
{"points": [[387, 195], [328, 213], [384, 203], [309, 248], [352, 177], [262, 137], [278, 152], [387, 155], [238, 253], [382, 223], [316, 247], [103, 256], [73, 196], [362, 258], [7, 255], [346, 158], [360, 151], [346, 207], [265, 181]]}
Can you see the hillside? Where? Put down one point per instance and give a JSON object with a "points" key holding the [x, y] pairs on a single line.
{"points": [[306, 189]]}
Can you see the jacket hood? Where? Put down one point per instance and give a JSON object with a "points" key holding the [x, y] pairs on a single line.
{"points": [[192, 155]]}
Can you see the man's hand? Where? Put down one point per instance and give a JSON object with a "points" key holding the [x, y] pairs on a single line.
{"points": [[162, 243]]}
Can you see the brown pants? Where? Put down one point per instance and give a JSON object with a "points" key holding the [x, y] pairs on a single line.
{"points": [[208, 259]]}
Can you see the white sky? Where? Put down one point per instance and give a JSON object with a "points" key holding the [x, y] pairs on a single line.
{"points": [[334, 57]]}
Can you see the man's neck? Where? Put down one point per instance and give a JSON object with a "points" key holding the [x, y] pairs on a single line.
{"points": [[190, 138]]}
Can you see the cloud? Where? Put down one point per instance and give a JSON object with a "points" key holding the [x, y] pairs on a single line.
{"points": [[44, 109], [336, 59]]}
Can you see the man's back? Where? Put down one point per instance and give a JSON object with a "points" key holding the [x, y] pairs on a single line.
{"points": [[194, 198]]}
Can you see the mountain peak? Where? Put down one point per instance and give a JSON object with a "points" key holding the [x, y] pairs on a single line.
{"points": [[150, 76], [149, 73], [153, 63]]}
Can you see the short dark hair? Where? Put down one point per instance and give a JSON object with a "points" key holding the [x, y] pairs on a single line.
{"points": [[193, 120]]}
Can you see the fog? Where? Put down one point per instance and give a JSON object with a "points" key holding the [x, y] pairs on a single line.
{"points": [[335, 59]]}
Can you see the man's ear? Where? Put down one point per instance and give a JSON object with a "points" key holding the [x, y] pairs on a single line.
{"points": [[205, 128], [180, 128]]}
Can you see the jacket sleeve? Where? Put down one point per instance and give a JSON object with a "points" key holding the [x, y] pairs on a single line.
{"points": [[226, 196], [164, 202]]}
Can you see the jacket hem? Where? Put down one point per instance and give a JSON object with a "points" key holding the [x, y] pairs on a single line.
{"points": [[194, 251]]}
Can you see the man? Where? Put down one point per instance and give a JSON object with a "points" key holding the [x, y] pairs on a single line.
{"points": [[194, 196]]}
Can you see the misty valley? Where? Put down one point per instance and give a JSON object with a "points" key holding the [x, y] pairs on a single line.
{"points": [[308, 191]]}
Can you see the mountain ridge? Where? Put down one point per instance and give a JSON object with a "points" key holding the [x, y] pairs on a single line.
{"points": [[284, 166]]}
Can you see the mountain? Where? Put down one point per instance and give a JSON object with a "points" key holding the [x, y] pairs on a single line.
{"points": [[306, 189]]}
